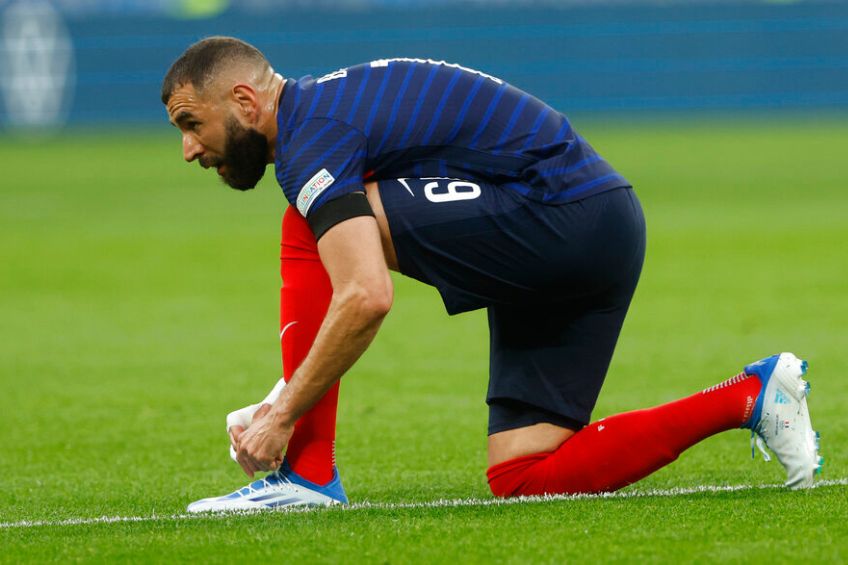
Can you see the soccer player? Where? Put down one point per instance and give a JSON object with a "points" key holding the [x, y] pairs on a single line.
{"points": [[455, 178]]}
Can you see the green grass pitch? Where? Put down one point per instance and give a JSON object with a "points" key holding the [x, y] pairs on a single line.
{"points": [[139, 305]]}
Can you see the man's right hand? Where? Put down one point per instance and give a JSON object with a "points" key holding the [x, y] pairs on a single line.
{"points": [[236, 430]]}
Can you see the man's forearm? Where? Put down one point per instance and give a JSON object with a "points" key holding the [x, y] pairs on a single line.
{"points": [[351, 323], [352, 254]]}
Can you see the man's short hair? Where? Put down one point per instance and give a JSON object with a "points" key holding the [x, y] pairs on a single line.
{"points": [[203, 60]]}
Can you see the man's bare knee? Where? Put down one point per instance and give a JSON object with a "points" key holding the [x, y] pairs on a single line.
{"points": [[538, 438]]}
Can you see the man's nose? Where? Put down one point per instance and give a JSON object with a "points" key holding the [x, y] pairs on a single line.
{"points": [[191, 148]]}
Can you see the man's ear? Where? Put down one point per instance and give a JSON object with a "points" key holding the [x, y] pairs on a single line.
{"points": [[246, 99]]}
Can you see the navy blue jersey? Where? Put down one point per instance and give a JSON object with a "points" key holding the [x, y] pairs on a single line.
{"points": [[402, 118]]}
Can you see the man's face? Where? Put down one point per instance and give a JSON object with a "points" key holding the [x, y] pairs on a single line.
{"points": [[214, 137]]}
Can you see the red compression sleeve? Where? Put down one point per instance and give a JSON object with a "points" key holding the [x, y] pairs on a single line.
{"points": [[617, 451], [304, 298]]}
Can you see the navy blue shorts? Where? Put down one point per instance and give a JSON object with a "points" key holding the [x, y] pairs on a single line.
{"points": [[557, 281]]}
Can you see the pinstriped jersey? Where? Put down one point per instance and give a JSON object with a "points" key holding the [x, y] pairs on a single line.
{"points": [[401, 118]]}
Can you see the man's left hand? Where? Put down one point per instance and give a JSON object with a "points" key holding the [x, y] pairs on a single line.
{"points": [[260, 447]]}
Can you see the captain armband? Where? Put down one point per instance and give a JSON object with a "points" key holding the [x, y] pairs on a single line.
{"points": [[337, 211]]}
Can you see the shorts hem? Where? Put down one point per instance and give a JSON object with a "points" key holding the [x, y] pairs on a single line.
{"points": [[508, 414]]}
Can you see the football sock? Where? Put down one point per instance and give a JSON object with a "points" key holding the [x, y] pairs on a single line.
{"points": [[304, 299], [617, 451]]}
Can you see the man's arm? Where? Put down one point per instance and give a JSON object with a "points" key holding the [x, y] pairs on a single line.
{"points": [[362, 296]]}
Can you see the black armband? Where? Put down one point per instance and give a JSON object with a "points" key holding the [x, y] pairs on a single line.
{"points": [[338, 210]]}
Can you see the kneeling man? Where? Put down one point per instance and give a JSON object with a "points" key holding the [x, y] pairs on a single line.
{"points": [[455, 178]]}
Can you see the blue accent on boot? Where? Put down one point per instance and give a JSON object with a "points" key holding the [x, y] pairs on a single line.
{"points": [[333, 489], [763, 370]]}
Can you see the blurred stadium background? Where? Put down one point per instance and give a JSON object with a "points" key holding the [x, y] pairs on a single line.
{"points": [[87, 62]]}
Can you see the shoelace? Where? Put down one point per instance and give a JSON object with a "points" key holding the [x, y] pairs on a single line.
{"points": [[757, 440], [282, 481]]}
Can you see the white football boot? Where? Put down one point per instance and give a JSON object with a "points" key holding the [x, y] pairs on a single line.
{"points": [[781, 419], [279, 489]]}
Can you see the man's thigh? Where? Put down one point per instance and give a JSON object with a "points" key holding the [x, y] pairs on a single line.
{"points": [[548, 363], [549, 359]]}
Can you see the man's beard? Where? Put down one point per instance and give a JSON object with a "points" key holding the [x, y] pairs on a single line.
{"points": [[245, 156]]}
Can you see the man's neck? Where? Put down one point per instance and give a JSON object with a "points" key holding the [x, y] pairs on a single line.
{"points": [[270, 130]]}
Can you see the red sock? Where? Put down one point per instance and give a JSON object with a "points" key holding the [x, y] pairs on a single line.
{"points": [[617, 451], [304, 299]]}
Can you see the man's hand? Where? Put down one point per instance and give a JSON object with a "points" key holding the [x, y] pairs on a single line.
{"points": [[235, 431], [260, 447], [241, 419]]}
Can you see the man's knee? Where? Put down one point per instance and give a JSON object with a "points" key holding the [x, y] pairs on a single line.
{"points": [[517, 458], [518, 476], [542, 437]]}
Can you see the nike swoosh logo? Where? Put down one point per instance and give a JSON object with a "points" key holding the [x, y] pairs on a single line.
{"points": [[287, 326], [406, 186]]}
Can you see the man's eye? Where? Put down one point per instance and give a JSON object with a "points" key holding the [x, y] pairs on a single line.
{"points": [[192, 126]]}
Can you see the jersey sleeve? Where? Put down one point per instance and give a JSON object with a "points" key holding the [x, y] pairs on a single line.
{"points": [[323, 160]]}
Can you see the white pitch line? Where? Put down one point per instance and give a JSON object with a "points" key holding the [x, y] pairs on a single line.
{"points": [[442, 503]]}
